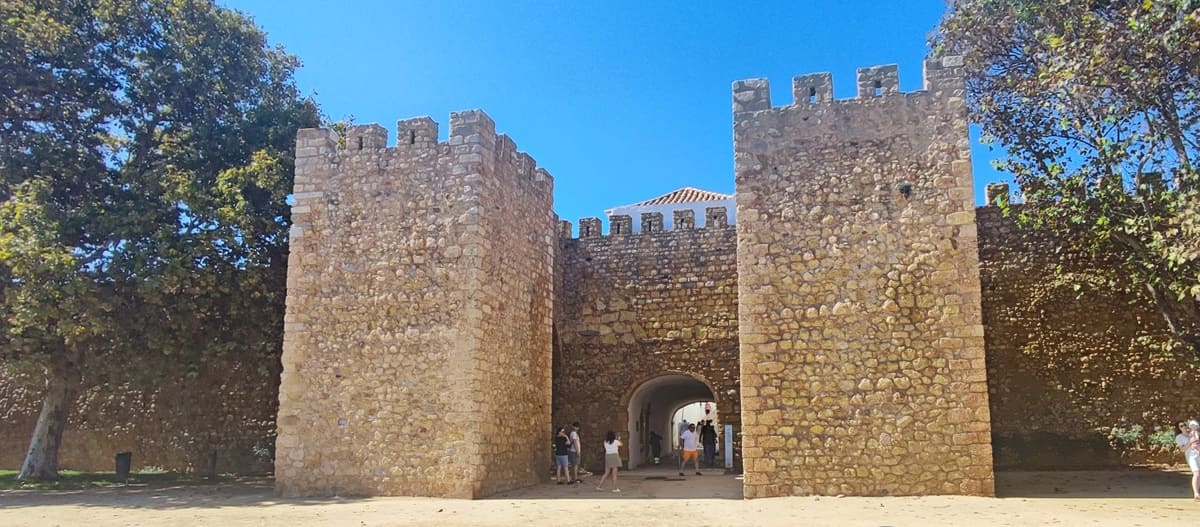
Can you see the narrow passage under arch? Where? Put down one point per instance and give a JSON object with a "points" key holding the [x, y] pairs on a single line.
{"points": [[651, 406]]}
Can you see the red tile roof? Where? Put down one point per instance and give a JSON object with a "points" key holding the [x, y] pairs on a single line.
{"points": [[684, 195]]}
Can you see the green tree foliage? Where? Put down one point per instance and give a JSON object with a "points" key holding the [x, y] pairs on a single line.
{"points": [[1097, 104], [146, 152]]}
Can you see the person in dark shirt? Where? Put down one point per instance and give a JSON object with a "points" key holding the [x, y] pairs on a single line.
{"points": [[562, 448], [708, 438]]}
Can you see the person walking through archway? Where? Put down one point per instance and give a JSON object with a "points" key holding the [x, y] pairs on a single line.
{"points": [[708, 439], [612, 459], [687, 443]]}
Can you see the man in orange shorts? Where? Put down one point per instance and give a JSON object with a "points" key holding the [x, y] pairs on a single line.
{"points": [[687, 443]]}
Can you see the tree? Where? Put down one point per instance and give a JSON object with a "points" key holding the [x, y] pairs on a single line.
{"points": [[146, 151], [1097, 104]]}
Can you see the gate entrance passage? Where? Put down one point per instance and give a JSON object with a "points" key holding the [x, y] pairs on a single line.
{"points": [[652, 406]]}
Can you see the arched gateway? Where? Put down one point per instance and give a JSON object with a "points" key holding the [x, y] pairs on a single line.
{"points": [[649, 405], [439, 323]]}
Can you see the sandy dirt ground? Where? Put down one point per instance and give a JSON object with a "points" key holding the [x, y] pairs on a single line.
{"points": [[1110, 498]]}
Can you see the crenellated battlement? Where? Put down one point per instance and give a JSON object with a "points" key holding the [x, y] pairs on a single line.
{"points": [[994, 193], [942, 77], [417, 132], [621, 225], [322, 154]]}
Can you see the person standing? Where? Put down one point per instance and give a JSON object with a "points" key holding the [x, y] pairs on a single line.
{"points": [[687, 443], [1181, 437], [612, 459], [1188, 442], [708, 439], [561, 444], [575, 451]]}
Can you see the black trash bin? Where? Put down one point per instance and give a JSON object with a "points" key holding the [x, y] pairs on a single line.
{"points": [[124, 461]]}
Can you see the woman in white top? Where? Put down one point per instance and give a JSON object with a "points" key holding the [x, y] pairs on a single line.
{"points": [[1188, 442], [612, 459]]}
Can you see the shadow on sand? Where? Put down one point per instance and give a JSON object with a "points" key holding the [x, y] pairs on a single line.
{"points": [[657, 483], [643, 483], [1133, 482]]}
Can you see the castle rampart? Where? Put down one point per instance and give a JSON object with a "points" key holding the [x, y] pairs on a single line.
{"points": [[652, 223], [1064, 367], [419, 300], [859, 304], [635, 309]]}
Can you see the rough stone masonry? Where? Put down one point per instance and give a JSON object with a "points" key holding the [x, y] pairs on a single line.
{"points": [[425, 320], [638, 307], [860, 323], [417, 357], [418, 314]]}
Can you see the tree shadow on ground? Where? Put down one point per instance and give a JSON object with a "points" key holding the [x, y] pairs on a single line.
{"points": [[230, 492], [664, 484], [1133, 482]]}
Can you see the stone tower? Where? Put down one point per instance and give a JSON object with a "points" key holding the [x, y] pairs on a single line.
{"points": [[417, 342], [862, 352]]}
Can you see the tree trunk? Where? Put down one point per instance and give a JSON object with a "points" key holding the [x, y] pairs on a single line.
{"points": [[41, 460], [1181, 315], [1182, 325]]}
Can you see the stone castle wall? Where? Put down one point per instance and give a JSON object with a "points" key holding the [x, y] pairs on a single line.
{"points": [[1067, 360], [438, 318], [862, 345], [634, 308], [168, 422], [1062, 368], [516, 318], [419, 299]]}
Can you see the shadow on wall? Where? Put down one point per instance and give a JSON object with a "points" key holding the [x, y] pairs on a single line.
{"points": [[168, 420], [1050, 450], [1070, 356]]}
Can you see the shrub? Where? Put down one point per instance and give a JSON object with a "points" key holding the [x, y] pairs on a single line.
{"points": [[1125, 436], [1162, 437]]}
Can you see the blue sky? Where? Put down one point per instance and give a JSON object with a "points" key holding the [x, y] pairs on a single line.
{"points": [[620, 101]]}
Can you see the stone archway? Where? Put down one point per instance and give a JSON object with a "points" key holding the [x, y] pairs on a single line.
{"points": [[649, 404]]}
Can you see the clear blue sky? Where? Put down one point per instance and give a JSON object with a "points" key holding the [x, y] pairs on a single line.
{"points": [[620, 101]]}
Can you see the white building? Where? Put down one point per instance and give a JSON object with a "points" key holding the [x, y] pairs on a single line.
{"points": [[685, 198]]}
